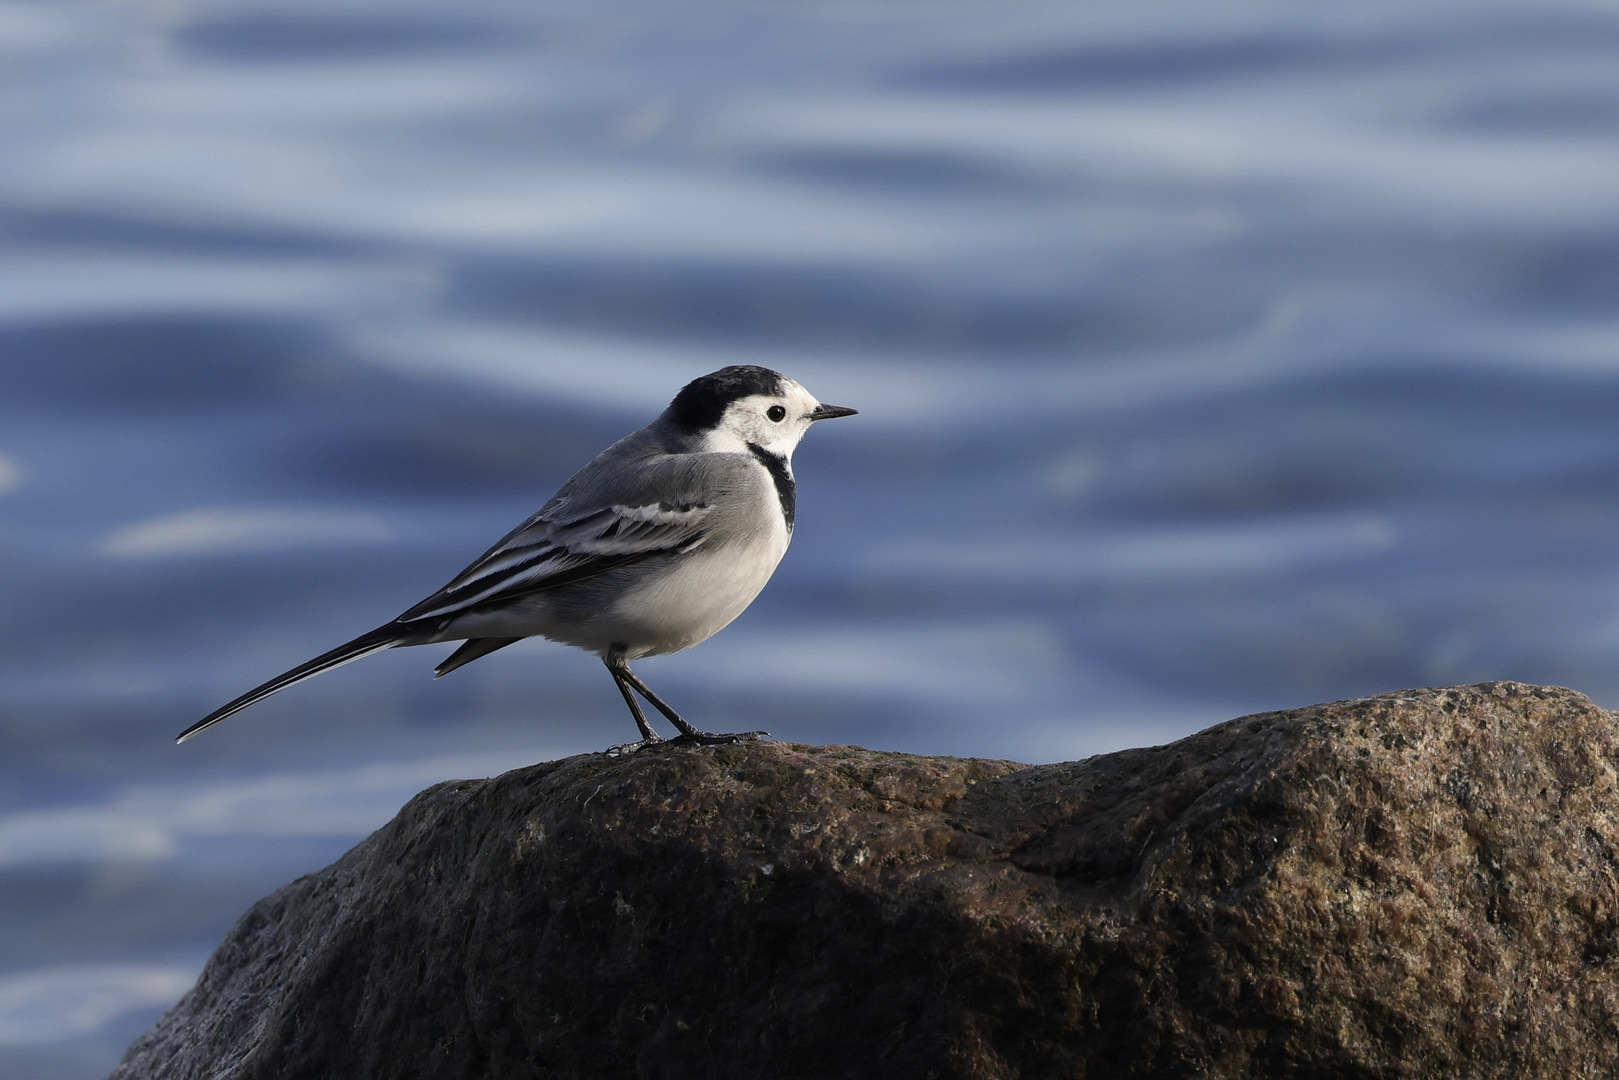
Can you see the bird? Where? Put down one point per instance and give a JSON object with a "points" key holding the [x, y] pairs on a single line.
{"points": [[654, 546]]}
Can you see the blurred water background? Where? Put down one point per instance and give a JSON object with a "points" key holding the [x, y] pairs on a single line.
{"points": [[1211, 358]]}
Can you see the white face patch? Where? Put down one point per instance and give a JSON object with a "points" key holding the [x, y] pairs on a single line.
{"points": [[753, 420]]}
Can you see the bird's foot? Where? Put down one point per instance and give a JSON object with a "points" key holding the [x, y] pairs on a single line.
{"points": [[709, 738], [631, 747]]}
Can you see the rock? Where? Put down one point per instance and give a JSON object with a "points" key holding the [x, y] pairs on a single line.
{"points": [[1419, 884]]}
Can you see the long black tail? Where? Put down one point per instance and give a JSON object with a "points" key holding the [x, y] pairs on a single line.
{"points": [[383, 637]]}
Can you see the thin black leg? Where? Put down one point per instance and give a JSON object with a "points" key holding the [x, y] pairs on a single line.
{"points": [[635, 708], [688, 733], [648, 736]]}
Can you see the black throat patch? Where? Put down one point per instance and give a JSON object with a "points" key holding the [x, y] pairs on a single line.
{"points": [[786, 490]]}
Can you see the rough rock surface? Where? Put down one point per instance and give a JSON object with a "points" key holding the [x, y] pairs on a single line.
{"points": [[1419, 884]]}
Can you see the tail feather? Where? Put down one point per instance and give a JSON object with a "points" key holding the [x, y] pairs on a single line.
{"points": [[470, 651], [383, 637]]}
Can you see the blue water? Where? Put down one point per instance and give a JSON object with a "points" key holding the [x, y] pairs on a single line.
{"points": [[1211, 358]]}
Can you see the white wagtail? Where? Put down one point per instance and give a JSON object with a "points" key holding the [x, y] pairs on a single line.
{"points": [[654, 546]]}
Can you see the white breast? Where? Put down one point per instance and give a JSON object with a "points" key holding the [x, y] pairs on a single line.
{"points": [[700, 596]]}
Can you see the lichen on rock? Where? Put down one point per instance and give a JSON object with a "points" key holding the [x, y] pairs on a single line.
{"points": [[1422, 883]]}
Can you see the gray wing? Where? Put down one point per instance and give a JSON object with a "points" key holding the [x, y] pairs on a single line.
{"points": [[612, 514]]}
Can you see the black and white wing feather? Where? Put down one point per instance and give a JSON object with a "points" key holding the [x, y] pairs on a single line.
{"points": [[558, 546]]}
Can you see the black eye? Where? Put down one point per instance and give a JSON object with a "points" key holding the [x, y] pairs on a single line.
{"points": [[776, 413]]}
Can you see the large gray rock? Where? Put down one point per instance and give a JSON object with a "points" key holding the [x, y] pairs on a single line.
{"points": [[1419, 884]]}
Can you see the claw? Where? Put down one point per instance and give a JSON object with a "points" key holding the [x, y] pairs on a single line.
{"points": [[631, 747], [709, 738]]}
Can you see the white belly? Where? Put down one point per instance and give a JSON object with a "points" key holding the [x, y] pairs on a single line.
{"points": [[696, 599]]}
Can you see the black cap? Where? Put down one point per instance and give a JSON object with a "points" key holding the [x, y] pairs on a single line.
{"points": [[701, 403]]}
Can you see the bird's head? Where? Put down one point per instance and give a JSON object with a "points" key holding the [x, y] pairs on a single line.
{"points": [[741, 405]]}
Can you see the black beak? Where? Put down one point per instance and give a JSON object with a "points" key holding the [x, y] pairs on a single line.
{"points": [[827, 412]]}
